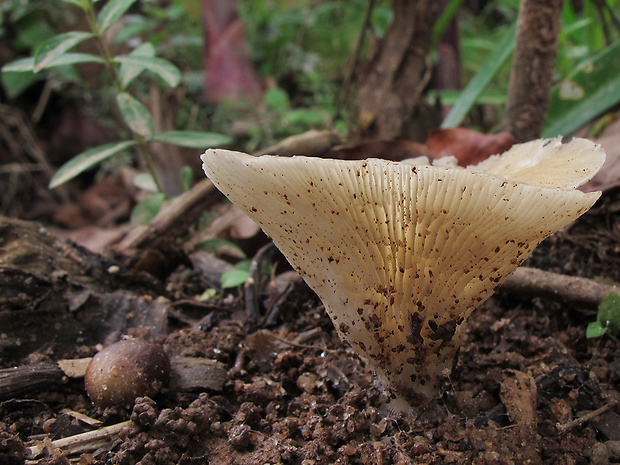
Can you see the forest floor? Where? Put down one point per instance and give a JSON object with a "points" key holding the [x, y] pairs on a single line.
{"points": [[522, 391]]}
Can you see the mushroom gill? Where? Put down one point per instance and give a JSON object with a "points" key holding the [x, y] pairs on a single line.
{"points": [[401, 253]]}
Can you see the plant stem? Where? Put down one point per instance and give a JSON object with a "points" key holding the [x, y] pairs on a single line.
{"points": [[141, 144], [143, 149]]}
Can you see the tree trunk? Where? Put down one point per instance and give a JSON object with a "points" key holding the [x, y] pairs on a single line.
{"points": [[532, 70], [395, 76]]}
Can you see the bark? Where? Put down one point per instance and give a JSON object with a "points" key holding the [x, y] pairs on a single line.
{"points": [[20, 382], [394, 78], [532, 70]]}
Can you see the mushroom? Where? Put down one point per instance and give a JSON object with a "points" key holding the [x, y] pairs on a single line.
{"points": [[401, 253]]}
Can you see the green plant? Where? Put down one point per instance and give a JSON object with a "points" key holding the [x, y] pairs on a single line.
{"points": [[586, 67], [236, 277], [607, 318], [306, 47], [123, 69], [586, 92]]}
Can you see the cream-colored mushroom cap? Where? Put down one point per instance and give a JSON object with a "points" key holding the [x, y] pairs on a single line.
{"points": [[547, 163], [401, 254]]}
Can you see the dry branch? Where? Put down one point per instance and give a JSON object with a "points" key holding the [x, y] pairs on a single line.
{"points": [[187, 208], [80, 443]]}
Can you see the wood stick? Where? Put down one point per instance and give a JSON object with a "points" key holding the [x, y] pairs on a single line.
{"points": [[80, 442], [588, 416], [22, 381], [567, 290], [167, 217], [188, 374], [187, 208]]}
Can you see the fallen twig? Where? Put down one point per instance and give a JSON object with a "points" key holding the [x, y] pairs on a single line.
{"points": [[167, 217], [187, 208], [582, 419], [578, 292], [79, 443]]}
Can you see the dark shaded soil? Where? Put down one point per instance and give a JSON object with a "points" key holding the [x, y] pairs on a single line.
{"points": [[522, 386]]}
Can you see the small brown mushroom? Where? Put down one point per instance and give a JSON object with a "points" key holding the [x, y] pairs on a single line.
{"points": [[402, 253], [125, 370]]}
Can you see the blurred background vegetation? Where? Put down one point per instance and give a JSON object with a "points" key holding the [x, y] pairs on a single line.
{"points": [[298, 55]]}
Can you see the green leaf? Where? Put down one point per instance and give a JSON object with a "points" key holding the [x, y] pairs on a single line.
{"points": [[450, 96], [112, 12], [16, 82], [145, 182], [136, 115], [31, 31], [147, 208], [277, 99], [303, 116], [74, 59], [234, 278], [87, 160], [444, 20], [129, 71], [27, 64], [78, 3], [609, 313], [222, 246], [169, 73], [19, 66], [187, 177], [476, 86], [192, 139], [209, 294], [588, 91], [53, 48], [595, 329], [244, 265]]}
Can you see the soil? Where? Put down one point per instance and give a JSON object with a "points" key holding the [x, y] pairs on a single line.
{"points": [[522, 389]]}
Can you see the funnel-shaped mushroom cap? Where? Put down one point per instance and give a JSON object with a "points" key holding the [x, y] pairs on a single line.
{"points": [[546, 163], [401, 254]]}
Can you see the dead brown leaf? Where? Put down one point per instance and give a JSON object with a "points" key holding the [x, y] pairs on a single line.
{"points": [[469, 147]]}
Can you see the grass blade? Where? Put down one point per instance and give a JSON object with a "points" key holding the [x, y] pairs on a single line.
{"points": [[591, 89], [476, 86]]}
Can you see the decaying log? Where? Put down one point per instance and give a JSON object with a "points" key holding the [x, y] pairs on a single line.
{"points": [[188, 374], [19, 382]]}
